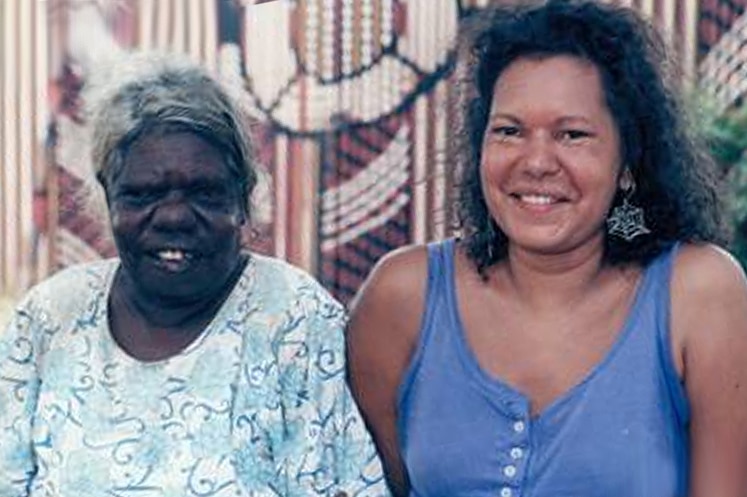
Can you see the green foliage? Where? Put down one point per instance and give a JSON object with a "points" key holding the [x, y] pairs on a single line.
{"points": [[726, 136]]}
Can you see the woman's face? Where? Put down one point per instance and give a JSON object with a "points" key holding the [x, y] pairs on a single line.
{"points": [[551, 155], [176, 215]]}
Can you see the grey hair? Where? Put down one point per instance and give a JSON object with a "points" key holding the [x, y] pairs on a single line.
{"points": [[154, 92]]}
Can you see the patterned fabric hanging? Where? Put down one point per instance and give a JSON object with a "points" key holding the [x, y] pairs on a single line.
{"points": [[344, 99], [723, 36], [352, 102], [344, 61], [362, 67]]}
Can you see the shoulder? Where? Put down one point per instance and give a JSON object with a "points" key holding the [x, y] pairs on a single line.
{"points": [[69, 289], [293, 302], [705, 275], [385, 316], [284, 282], [281, 273], [701, 269], [400, 274], [398, 283], [57, 304], [708, 298]]}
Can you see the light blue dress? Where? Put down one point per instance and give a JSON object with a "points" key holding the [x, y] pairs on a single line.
{"points": [[257, 406]]}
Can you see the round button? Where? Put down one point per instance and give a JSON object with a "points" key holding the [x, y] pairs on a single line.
{"points": [[519, 426], [517, 453], [510, 470], [506, 492]]}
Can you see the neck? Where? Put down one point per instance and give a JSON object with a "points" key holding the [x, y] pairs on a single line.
{"points": [[164, 313], [553, 280]]}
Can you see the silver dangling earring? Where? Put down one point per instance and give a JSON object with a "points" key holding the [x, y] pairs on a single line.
{"points": [[626, 221]]}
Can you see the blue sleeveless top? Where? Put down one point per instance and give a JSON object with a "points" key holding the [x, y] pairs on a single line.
{"points": [[620, 432]]}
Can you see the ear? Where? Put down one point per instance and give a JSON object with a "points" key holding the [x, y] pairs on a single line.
{"points": [[243, 214], [626, 181], [101, 179]]}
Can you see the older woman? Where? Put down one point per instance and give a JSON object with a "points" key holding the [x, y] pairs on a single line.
{"points": [[585, 337], [188, 366]]}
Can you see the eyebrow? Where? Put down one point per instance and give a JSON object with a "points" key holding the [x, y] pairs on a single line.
{"points": [[572, 118], [503, 115], [562, 120]]}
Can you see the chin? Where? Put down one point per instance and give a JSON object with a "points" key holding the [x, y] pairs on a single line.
{"points": [[199, 283], [538, 241], [173, 288], [554, 245], [544, 241]]}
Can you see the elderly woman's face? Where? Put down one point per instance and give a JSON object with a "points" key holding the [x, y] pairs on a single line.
{"points": [[176, 215]]}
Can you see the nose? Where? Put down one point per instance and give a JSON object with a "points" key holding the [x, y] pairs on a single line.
{"points": [[174, 213], [540, 158]]}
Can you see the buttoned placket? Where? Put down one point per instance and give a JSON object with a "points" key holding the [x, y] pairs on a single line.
{"points": [[516, 455]]}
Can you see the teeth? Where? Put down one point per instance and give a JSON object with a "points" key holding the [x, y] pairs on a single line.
{"points": [[171, 255], [537, 199]]}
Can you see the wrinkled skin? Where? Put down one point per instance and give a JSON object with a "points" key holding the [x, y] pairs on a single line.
{"points": [[176, 216]]}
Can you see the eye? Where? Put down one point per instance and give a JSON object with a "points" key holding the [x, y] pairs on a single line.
{"points": [[506, 131], [212, 196], [573, 135], [136, 197], [206, 193]]}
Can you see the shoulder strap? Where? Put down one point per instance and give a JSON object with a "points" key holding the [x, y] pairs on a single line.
{"points": [[438, 270], [664, 265]]}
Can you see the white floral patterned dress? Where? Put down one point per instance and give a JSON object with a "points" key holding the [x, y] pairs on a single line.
{"points": [[257, 406]]}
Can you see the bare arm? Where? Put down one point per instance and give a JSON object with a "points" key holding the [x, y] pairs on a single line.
{"points": [[709, 328], [381, 337]]}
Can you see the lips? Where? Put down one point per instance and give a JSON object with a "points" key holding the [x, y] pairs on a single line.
{"points": [[173, 255], [539, 198], [173, 259]]}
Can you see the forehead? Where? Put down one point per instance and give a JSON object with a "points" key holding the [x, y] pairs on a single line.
{"points": [[173, 156], [563, 82]]}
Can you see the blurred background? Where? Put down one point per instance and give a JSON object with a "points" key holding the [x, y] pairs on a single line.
{"points": [[353, 101]]}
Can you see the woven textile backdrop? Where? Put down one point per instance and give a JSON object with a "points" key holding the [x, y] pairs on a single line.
{"points": [[352, 100]]}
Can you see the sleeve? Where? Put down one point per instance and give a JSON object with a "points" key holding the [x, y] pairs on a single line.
{"points": [[339, 459], [19, 384]]}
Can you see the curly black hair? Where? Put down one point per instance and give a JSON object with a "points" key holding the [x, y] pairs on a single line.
{"points": [[676, 181]]}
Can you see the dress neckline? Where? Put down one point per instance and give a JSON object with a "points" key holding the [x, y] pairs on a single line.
{"points": [[516, 401]]}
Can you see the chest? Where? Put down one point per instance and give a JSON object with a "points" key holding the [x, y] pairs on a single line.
{"points": [[603, 436], [543, 354], [104, 420], [568, 453], [145, 342]]}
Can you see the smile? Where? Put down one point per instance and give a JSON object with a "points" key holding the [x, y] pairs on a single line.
{"points": [[537, 199], [173, 260], [173, 255]]}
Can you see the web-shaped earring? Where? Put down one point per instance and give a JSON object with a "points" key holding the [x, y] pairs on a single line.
{"points": [[626, 221]]}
